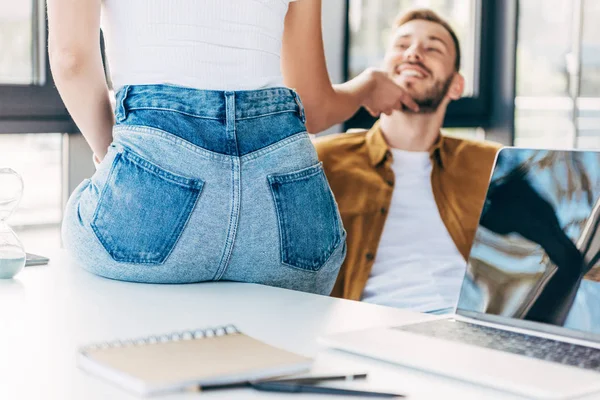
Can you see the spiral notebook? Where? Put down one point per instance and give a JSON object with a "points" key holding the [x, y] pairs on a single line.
{"points": [[166, 363]]}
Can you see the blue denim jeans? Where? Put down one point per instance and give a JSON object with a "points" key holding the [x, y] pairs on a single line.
{"points": [[206, 186]]}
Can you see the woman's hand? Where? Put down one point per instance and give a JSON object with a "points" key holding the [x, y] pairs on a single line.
{"points": [[382, 95]]}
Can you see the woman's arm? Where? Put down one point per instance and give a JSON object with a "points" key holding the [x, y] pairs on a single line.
{"points": [[76, 63], [304, 69]]}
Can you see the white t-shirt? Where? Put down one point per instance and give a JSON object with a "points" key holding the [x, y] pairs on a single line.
{"points": [[203, 44], [417, 265]]}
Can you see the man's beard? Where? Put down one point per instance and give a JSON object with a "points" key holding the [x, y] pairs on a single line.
{"points": [[429, 101]]}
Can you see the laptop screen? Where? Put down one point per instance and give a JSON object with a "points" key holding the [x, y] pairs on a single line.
{"points": [[535, 257]]}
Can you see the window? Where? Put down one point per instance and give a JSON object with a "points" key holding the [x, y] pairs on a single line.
{"points": [[30, 108], [368, 32], [588, 113], [16, 30], [558, 74], [29, 102]]}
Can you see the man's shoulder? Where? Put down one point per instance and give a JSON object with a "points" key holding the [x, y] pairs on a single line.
{"points": [[469, 151], [340, 141], [472, 145], [341, 145]]}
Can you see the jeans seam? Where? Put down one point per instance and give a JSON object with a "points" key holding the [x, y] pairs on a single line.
{"points": [[333, 250], [232, 228], [236, 186], [279, 216], [299, 175], [275, 146], [207, 154], [174, 110], [168, 176], [265, 115]]}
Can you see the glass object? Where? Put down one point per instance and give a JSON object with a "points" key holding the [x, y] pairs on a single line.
{"points": [[12, 254], [38, 158], [370, 24]]}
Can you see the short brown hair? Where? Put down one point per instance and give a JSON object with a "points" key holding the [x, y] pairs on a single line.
{"points": [[428, 15]]}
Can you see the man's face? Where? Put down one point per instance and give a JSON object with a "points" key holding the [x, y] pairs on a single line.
{"points": [[421, 59]]}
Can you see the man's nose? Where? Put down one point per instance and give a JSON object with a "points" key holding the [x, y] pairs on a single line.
{"points": [[413, 53]]}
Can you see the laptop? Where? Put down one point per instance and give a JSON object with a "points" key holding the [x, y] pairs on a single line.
{"points": [[527, 320]]}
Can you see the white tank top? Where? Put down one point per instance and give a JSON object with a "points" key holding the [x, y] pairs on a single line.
{"points": [[203, 44]]}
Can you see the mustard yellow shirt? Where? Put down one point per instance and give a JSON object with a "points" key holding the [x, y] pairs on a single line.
{"points": [[358, 167]]}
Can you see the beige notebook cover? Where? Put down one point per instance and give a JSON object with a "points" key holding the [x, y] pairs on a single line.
{"points": [[183, 360]]}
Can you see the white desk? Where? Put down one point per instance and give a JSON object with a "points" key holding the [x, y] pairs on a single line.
{"points": [[47, 312]]}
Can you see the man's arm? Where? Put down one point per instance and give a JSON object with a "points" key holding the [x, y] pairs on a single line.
{"points": [[76, 63]]}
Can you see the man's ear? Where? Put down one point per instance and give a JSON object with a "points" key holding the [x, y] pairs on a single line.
{"points": [[457, 87]]}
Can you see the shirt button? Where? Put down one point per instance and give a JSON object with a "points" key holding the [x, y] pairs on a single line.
{"points": [[370, 256]]}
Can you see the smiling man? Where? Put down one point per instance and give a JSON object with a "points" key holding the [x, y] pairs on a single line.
{"points": [[409, 196]]}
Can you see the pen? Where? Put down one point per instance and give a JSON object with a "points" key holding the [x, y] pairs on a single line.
{"points": [[317, 379], [305, 380], [274, 386]]}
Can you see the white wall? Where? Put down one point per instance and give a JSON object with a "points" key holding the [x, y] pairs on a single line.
{"points": [[333, 37]]}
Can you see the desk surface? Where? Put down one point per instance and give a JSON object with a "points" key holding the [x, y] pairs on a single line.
{"points": [[47, 312]]}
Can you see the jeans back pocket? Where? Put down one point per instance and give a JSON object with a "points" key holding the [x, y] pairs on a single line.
{"points": [[142, 210], [309, 224]]}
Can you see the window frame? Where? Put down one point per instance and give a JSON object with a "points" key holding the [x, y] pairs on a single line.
{"points": [[37, 107]]}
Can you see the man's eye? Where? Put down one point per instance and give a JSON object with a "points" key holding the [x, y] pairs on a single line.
{"points": [[402, 46], [433, 49]]}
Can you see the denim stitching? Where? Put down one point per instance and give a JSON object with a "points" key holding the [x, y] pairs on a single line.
{"points": [[168, 176], [272, 147], [298, 101], [109, 244], [189, 209], [207, 154], [303, 175], [230, 129], [122, 111], [302, 264], [331, 252], [265, 115], [98, 236], [299, 175], [280, 221], [174, 110]]}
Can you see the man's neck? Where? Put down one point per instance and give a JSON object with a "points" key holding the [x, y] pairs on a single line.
{"points": [[411, 132]]}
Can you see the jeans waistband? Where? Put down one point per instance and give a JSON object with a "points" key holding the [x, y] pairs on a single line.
{"points": [[210, 104]]}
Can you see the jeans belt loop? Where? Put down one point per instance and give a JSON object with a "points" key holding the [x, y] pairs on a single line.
{"points": [[300, 106], [121, 114]]}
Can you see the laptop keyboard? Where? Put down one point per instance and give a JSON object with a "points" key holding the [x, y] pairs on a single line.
{"points": [[512, 342]]}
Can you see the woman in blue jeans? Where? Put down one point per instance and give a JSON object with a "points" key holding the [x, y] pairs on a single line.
{"points": [[206, 171]]}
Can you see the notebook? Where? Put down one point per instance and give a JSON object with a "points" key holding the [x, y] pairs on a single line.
{"points": [[178, 361]]}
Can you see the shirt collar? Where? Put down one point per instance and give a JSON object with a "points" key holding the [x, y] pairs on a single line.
{"points": [[378, 147]]}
